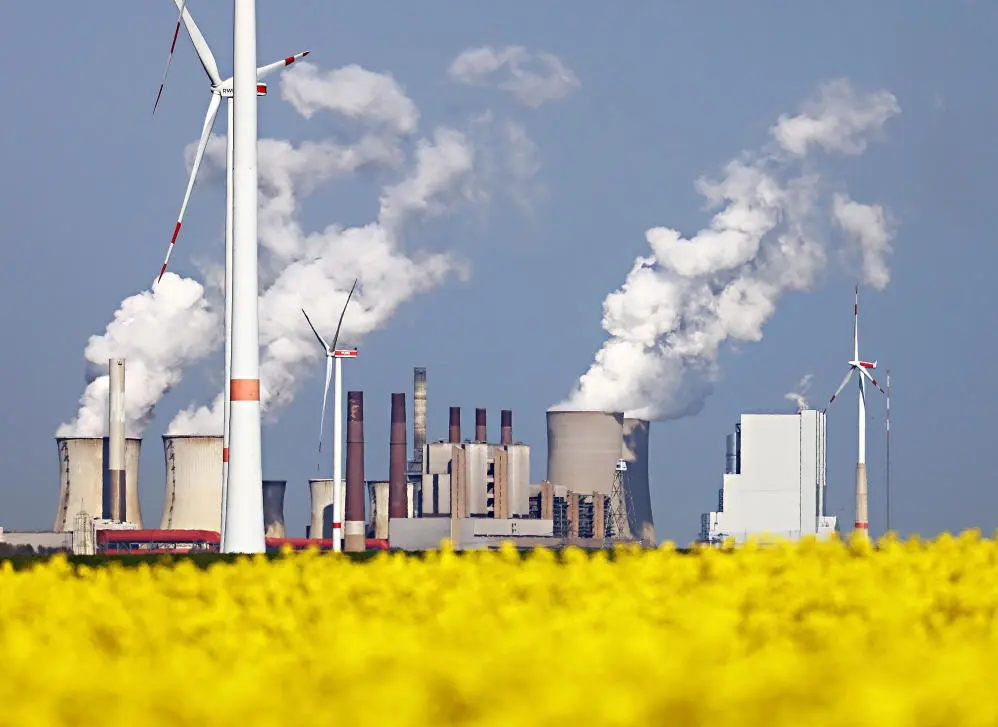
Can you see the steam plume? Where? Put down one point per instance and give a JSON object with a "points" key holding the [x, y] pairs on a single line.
{"points": [[165, 331], [679, 304], [530, 88], [800, 391], [160, 333]]}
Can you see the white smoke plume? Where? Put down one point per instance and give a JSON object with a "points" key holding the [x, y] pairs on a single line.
{"points": [[678, 305], [531, 88], [870, 229], [799, 394], [331, 260], [159, 333]]}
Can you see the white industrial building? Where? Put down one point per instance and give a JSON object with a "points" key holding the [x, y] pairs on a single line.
{"points": [[774, 481]]}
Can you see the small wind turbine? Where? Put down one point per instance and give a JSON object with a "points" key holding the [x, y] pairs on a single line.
{"points": [[335, 354], [864, 368], [219, 89]]}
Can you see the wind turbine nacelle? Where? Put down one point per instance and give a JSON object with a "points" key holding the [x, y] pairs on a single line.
{"points": [[227, 92], [345, 353]]}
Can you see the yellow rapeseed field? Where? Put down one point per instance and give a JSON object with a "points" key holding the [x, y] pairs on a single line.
{"points": [[808, 635]]}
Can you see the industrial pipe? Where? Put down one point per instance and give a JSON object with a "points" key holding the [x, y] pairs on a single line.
{"points": [[353, 527], [398, 500]]}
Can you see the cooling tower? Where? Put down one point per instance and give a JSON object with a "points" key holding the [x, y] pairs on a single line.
{"points": [[82, 475], [273, 508], [193, 483], [583, 449], [418, 416], [321, 506], [637, 492], [377, 493], [353, 527], [398, 501]]}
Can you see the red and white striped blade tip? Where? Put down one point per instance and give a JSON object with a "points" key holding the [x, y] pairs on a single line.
{"points": [[169, 58]]}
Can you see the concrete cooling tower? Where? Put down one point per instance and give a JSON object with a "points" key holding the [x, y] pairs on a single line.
{"points": [[83, 475], [193, 483], [321, 497], [583, 449], [273, 508], [636, 488]]}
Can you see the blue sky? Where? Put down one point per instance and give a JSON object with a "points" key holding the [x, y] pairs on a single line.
{"points": [[93, 182]]}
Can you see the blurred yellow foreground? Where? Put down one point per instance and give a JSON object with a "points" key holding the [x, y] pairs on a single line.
{"points": [[805, 635]]}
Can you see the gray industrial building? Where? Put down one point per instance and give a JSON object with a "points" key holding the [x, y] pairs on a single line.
{"points": [[774, 481]]}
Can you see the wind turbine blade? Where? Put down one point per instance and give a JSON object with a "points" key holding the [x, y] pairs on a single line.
{"points": [[209, 122], [841, 386], [855, 326], [321, 339], [271, 67], [169, 58], [336, 335], [200, 45], [863, 372], [325, 396]]}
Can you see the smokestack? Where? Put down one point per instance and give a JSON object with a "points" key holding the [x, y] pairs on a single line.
{"points": [[418, 415], [506, 427], [481, 435], [454, 430], [353, 528], [398, 500], [115, 502]]}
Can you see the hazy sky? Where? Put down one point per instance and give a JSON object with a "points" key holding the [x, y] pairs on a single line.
{"points": [[544, 218]]}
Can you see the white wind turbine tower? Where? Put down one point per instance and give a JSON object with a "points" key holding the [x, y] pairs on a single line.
{"points": [[337, 355], [219, 89], [864, 368]]}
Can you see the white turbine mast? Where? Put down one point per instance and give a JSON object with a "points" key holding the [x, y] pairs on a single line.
{"points": [[863, 368], [334, 354], [219, 88]]}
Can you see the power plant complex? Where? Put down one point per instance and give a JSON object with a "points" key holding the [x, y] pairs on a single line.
{"points": [[475, 491]]}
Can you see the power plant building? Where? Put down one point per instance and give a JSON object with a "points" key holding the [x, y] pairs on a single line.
{"points": [[486, 480], [774, 481]]}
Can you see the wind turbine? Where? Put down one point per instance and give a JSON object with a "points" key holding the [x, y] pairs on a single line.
{"points": [[219, 88], [335, 354], [863, 367]]}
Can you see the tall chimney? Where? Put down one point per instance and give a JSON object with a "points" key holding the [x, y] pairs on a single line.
{"points": [[398, 499], [506, 427], [418, 416], [454, 430], [353, 527], [481, 435], [116, 440]]}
